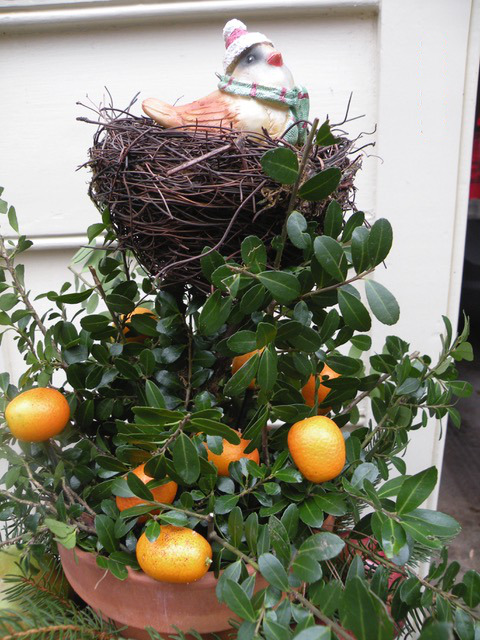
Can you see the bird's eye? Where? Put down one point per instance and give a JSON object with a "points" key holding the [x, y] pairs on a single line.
{"points": [[250, 58]]}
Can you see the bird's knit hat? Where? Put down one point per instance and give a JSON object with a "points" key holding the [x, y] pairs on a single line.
{"points": [[238, 39]]}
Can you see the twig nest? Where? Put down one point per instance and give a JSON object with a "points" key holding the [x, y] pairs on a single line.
{"points": [[173, 192]]}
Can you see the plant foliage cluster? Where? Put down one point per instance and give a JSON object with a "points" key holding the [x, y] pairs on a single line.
{"points": [[340, 558]]}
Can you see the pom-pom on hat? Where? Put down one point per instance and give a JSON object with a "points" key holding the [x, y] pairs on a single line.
{"points": [[238, 39]]}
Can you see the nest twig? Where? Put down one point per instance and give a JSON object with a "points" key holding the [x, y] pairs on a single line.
{"points": [[173, 192]]}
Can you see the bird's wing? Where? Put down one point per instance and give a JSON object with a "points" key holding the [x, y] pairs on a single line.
{"points": [[213, 110]]}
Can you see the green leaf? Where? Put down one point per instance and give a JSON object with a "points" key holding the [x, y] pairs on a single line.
{"points": [[185, 459], [118, 303], [363, 343], [437, 631], [273, 571], [267, 369], [314, 633], [420, 532], [362, 612], [12, 219], [64, 533], [333, 220], [280, 164], [296, 227], [331, 257], [379, 241], [235, 526], [440, 524], [254, 254], [332, 504], [138, 488], [105, 531], [152, 530], [95, 323], [238, 601], [360, 256], [324, 545], [252, 299], [8, 301], [321, 185], [306, 567], [461, 388], [210, 262], [324, 138], [265, 334], [214, 313], [416, 489], [464, 351], [464, 625], [311, 513], [215, 428], [365, 471], [242, 378], [354, 221], [393, 537], [382, 303], [283, 286], [471, 580], [354, 312], [242, 342], [154, 395]]}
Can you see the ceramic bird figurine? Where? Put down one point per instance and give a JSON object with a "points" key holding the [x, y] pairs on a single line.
{"points": [[256, 93]]}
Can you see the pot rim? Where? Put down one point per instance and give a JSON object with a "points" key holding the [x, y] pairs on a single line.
{"points": [[208, 581]]}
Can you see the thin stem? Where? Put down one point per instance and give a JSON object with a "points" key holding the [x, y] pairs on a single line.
{"points": [[173, 437], [25, 299], [187, 512], [316, 292], [188, 391], [293, 196], [234, 550], [363, 395], [76, 498], [103, 295]]}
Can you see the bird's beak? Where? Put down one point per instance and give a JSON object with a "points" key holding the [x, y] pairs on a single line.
{"points": [[275, 59]]}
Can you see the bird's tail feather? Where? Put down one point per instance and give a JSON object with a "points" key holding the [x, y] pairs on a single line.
{"points": [[162, 112]]}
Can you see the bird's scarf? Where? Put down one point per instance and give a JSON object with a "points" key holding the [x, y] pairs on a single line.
{"points": [[297, 100]]}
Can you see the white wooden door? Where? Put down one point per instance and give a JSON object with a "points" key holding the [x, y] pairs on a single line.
{"points": [[412, 67]]}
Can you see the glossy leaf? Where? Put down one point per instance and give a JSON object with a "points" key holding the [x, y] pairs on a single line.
{"points": [[331, 257], [283, 286], [321, 185], [281, 164], [273, 571], [185, 459], [379, 241], [237, 600], [382, 303], [416, 490], [242, 378], [296, 227], [354, 312]]}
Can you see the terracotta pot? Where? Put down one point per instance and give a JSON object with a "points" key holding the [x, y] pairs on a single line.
{"points": [[139, 601]]}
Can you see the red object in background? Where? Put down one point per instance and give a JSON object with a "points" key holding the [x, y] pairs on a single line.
{"points": [[475, 176]]}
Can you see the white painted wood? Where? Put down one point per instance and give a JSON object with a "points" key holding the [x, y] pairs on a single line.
{"points": [[44, 73], [426, 108], [92, 12]]}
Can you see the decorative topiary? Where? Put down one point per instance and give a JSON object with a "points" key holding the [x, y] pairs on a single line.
{"points": [[335, 556]]}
